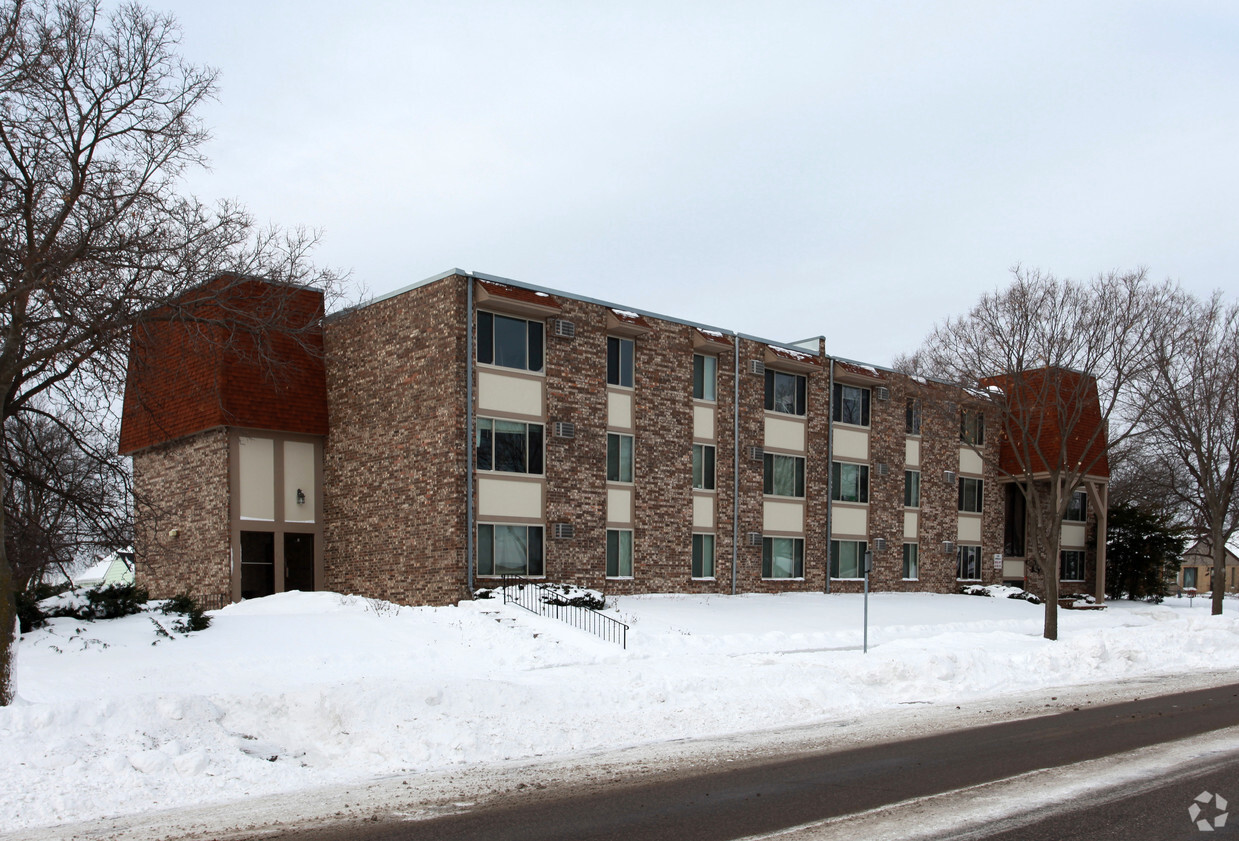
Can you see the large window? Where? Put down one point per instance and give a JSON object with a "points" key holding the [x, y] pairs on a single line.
{"points": [[971, 492], [619, 361], [847, 558], [509, 446], [1015, 512], [1072, 568], [784, 475], [785, 392], [619, 553], [912, 420], [968, 563], [851, 405], [705, 377], [782, 557], [1077, 509], [911, 561], [509, 342], [972, 427], [509, 550], [257, 564], [703, 556], [619, 457], [849, 482], [912, 489], [703, 467]]}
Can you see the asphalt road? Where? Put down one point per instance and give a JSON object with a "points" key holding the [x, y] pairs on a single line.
{"points": [[728, 802]]}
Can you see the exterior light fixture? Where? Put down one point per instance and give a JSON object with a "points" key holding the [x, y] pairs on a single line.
{"points": [[300, 497]]}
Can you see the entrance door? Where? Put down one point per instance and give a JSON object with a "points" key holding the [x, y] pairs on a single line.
{"points": [[298, 561]]}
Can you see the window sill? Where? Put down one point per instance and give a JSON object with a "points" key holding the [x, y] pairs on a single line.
{"points": [[851, 425], [781, 497], [620, 578], [711, 578], [490, 366], [909, 579], [847, 579], [782, 579], [498, 575]]}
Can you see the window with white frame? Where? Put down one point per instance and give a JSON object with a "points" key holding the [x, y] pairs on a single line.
{"points": [[1072, 568], [509, 342], [968, 563], [782, 557], [703, 467], [851, 404], [911, 561], [619, 553], [509, 549], [1077, 509], [847, 558], [703, 556], [619, 361], [619, 457], [912, 416], [971, 494], [972, 427], [784, 475], [849, 482], [785, 392], [509, 446], [705, 377], [912, 489]]}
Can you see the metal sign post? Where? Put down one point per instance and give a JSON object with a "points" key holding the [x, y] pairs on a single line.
{"points": [[868, 567]]}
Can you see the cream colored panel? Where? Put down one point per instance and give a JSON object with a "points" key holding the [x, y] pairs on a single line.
{"points": [[501, 393], [619, 410], [619, 505], [969, 530], [1012, 569], [703, 512], [852, 522], [298, 475], [509, 498], [784, 434], [703, 422], [1073, 536], [911, 519], [783, 516], [257, 479], [970, 461], [851, 443], [912, 452]]}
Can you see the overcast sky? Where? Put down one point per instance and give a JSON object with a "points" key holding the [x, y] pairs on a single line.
{"points": [[858, 170]]}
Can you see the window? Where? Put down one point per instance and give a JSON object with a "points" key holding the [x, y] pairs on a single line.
{"points": [[705, 377], [619, 361], [703, 467], [509, 342], [972, 427], [509, 550], [782, 557], [851, 405], [619, 457], [509, 446], [1189, 577], [784, 475], [1072, 568], [619, 553], [911, 561], [912, 489], [968, 567], [703, 556], [1016, 520], [847, 558], [785, 392], [912, 421], [257, 564], [1077, 509], [971, 492], [849, 482]]}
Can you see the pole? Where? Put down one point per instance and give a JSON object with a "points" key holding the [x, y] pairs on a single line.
{"points": [[868, 566]]}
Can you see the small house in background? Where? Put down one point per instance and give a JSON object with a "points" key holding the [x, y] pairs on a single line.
{"points": [[1196, 573], [115, 568]]}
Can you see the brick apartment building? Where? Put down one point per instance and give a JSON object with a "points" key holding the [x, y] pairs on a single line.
{"points": [[419, 446]]}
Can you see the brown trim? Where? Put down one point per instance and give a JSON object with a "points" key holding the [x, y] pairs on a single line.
{"points": [[707, 345], [508, 300], [627, 327]]}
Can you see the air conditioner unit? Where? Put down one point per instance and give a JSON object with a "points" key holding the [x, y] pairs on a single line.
{"points": [[756, 366], [563, 328], [882, 393], [879, 544], [757, 453], [564, 429], [755, 538], [948, 476], [564, 531], [948, 547], [881, 468]]}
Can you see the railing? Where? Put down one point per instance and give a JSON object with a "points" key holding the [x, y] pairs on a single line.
{"points": [[532, 596]]}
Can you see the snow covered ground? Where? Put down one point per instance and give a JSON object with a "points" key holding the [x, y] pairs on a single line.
{"points": [[305, 690]]}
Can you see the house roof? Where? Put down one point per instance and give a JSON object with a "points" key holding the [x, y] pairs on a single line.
{"points": [[1201, 554]]}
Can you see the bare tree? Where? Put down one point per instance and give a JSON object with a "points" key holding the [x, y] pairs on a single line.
{"points": [[97, 124], [1056, 360], [1191, 431]]}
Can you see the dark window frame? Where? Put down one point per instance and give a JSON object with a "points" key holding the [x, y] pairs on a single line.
{"points": [[859, 414], [621, 361], [534, 345], [776, 384]]}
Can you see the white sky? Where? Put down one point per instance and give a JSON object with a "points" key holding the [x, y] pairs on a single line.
{"points": [[859, 170]]}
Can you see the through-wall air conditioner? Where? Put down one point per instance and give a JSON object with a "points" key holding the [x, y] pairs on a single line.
{"points": [[879, 544], [563, 328], [755, 538], [881, 468], [948, 547], [756, 366], [948, 476], [882, 393], [564, 531], [757, 453], [564, 429]]}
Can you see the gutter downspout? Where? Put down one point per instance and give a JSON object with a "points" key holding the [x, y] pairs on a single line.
{"points": [[469, 527], [735, 465], [830, 465]]}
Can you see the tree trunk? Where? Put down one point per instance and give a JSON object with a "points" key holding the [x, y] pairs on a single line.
{"points": [[8, 616], [1218, 547]]}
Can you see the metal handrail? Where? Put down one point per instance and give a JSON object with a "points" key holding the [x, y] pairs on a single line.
{"points": [[530, 595]]}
